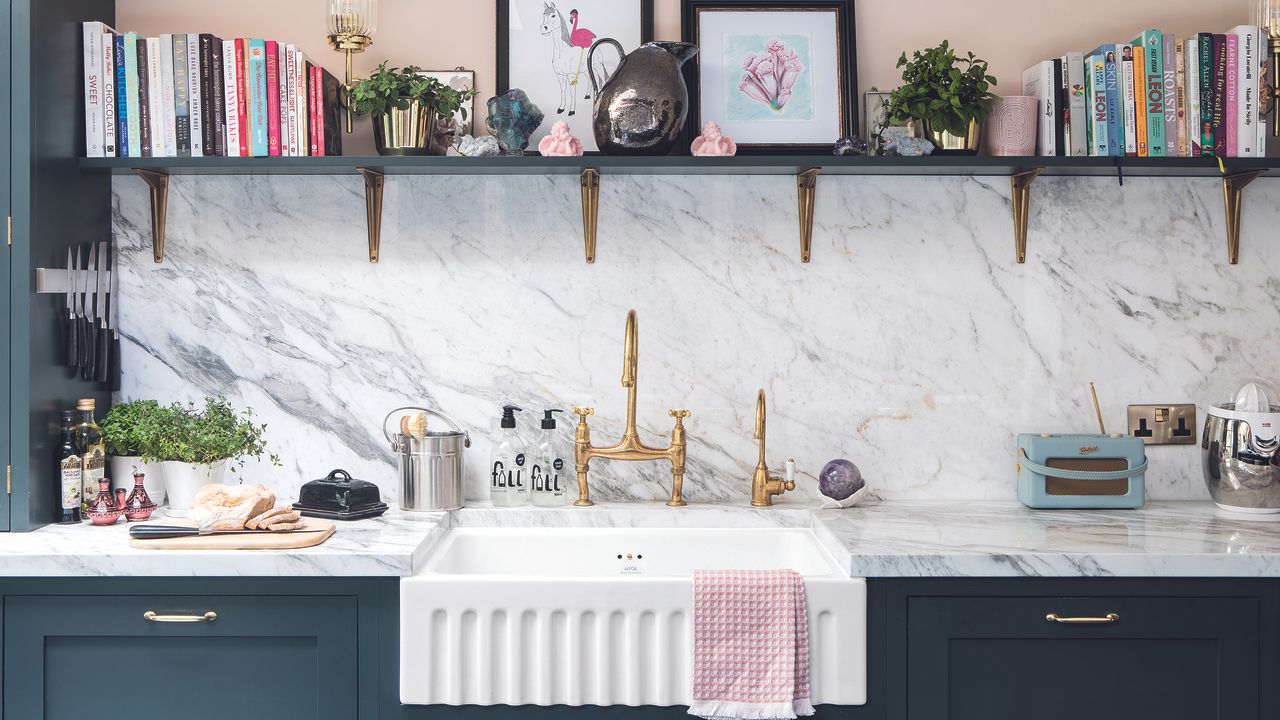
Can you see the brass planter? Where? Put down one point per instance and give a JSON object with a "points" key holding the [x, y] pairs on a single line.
{"points": [[949, 144], [405, 132]]}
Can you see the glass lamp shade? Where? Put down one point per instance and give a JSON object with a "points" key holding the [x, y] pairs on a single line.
{"points": [[353, 17], [1266, 14]]}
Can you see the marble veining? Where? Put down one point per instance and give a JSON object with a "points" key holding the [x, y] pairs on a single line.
{"points": [[912, 344]]}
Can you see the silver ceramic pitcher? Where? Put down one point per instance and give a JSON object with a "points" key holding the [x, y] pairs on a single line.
{"points": [[640, 108]]}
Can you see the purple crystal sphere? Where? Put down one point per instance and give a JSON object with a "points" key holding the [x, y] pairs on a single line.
{"points": [[839, 479]]}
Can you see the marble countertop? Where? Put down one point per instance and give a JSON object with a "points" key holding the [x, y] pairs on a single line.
{"points": [[879, 539]]}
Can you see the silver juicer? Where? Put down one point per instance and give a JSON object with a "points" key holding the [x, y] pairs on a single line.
{"points": [[1240, 450]]}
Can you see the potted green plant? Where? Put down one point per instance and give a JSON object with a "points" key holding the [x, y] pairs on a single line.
{"points": [[950, 95], [405, 105], [196, 446], [129, 430]]}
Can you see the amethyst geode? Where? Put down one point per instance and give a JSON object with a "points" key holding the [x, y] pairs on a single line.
{"points": [[839, 479]]}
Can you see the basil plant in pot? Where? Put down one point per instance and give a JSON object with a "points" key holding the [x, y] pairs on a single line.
{"points": [[405, 107], [197, 445], [129, 431], [949, 94]]}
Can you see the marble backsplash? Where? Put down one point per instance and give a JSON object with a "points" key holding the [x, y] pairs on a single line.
{"points": [[912, 344]]}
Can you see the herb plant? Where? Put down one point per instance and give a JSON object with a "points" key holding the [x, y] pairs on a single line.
{"points": [[942, 89], [209, 435], [130, 428], [389, 88]]}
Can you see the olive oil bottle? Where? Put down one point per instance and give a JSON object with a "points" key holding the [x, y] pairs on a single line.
{"points": [[69, 471], [93, 454]]}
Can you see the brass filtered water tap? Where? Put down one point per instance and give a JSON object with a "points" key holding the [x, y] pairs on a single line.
{"points": [[763, 485]]}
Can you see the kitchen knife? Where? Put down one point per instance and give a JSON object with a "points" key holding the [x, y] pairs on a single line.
{"points": [[82, 320], [101, 366], [157, 532], [70, 330], [113, 318]]}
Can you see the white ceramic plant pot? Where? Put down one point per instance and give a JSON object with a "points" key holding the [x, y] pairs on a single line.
{"points": [[122, 469], [183, 480]]}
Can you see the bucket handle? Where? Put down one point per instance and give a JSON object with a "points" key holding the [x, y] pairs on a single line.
{"points": [[466, 436]]}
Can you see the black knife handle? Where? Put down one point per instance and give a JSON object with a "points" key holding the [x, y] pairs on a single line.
{"points": [[155, 532], [115, 361], [102, 366], [82, 342], [90, 350], [72, 333]]}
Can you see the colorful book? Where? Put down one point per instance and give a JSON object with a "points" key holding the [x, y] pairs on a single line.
{"points": [[1152, 43], [121, 75], [331, 112], [133, 109], [217, 93], [291, 99], [1111, 87], [1140, 99], [1205, 46], [304, 126], [155, 97], [168, 109], [209, 124], [1169, 72], [1077, 105], [1260, 127], [109, 124], [1129, 104], [256, 74], [313, 82], [1191, 91], [242, 94], [1219, 94], [196, 113], [144, 99], [230, 99], [1100, 145], [272, 59], [1038, 82], [1180, 95], [1247, 89], [282, 81], [93, 34], [1231, 115], [181, 96]]}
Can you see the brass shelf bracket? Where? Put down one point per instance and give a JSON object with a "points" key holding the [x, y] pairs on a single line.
{"points": [[374, 181], [1233, 185], [1020, 184], [158, 182], [590, 182], [806, 190]]}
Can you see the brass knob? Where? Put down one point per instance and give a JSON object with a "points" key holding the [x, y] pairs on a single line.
{"points": [[583, 411], [789, 485], [678, 414]]}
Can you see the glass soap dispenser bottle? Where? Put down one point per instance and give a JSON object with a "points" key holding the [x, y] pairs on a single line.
{"points": [[507, 465], [546, 483]]}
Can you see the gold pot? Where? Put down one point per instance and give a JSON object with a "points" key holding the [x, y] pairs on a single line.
{"points": [[947, 143], [405, 132]]}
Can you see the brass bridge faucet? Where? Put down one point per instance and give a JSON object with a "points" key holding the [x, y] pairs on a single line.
{"points": [[764, 486], [630, 447]]}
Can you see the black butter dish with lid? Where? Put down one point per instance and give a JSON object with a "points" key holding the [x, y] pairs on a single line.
{"points": [[340, 497]]}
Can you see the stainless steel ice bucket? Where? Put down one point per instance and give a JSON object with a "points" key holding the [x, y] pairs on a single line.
{"points": [[430, 468]]}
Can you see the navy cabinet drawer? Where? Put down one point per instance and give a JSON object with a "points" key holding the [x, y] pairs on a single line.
{"points": [[1119, 658], [157, 656]]}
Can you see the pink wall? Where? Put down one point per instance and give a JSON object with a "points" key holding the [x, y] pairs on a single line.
{"points": [[440, 34]]}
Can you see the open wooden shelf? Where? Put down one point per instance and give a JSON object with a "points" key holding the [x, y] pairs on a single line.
{"points": [[1234, 173]]}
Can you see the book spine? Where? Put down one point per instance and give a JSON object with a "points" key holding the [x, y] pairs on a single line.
{"points": [[272, 60], [242, 94], [1169, 73], [304, 116], [291, 98], [93, 120], [121, 75], [218, 92], [1115, 121], [1246, 90], [1219, 95], [230, 98], [1130, 109], [1231, 114], [1205, 46], [1098, 116], [133, 108], [109, 123], [258, 138], [282, 81], [181, 96], [1140, 98], [330, 127], [144, 99], [155, 97], [1180, 96], [1192, 93], [1059, 108], [1260, 127], [1036, 81], [167, 108], [1154, 96], [313, 76], [208, 123], [1077, 104], [193, 97]]}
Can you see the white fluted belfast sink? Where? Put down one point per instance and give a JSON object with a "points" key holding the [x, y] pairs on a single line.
{"points": [[602, 616]]}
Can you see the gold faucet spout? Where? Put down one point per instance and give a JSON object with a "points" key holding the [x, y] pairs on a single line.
{"points": [[763, 485], [630, 352]]}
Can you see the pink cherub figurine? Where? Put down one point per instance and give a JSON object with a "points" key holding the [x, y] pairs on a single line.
{"points": [[560, 143], [712, 144]]}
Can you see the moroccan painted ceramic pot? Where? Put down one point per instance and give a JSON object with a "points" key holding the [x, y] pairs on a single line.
{"points": [[1011, 128]]}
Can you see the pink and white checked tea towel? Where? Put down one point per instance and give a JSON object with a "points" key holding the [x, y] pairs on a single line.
{"points": [[750, 645]]}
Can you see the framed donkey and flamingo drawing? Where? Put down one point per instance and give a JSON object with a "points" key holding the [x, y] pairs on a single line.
{"points": [[543, 46]]}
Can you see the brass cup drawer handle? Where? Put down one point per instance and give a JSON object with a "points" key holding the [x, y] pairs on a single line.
{"points": [[1108, 618], [153, 616]]}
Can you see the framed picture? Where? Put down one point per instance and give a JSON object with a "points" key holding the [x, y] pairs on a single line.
{"points": [[879, 131], [458, 78], [778, 76], [543, 47]]}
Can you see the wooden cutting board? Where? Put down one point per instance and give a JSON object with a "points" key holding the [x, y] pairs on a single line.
{"points": [[260, 541]]}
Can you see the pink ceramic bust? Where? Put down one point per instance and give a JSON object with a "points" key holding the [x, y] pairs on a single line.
{"points": [[560, 143], [712, 144]]}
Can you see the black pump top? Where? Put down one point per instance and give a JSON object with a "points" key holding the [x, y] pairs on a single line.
{"points": [[508, 416], [549, 420]]}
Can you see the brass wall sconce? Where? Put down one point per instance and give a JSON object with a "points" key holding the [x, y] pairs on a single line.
{"points": [[351, 27]]}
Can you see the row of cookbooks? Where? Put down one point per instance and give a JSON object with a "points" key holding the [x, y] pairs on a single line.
{"points": [[1155, 96], [196, 95]]}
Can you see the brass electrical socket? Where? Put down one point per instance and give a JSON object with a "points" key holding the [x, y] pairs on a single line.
{"points": [[1163, 424]]}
